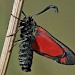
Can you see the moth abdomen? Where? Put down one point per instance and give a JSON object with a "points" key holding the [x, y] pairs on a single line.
{"points": [[25, 56]]}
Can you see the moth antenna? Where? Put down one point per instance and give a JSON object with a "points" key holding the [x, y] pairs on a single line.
{"points": [[48, 7], [23, 13]]}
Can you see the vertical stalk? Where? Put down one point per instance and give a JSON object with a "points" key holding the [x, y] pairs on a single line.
{"points": [[9, 41]]}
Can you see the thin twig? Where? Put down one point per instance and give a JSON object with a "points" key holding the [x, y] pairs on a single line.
{"points": [[9, 41]]}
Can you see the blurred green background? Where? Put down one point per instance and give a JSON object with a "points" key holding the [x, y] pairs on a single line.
{"points": [[61, 25]]}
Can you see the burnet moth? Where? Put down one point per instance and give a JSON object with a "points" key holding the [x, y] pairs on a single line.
{"points": [[37, 39]]}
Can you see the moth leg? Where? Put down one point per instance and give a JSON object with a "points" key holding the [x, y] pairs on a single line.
{"points": [[19, 28], [15, 43]]}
